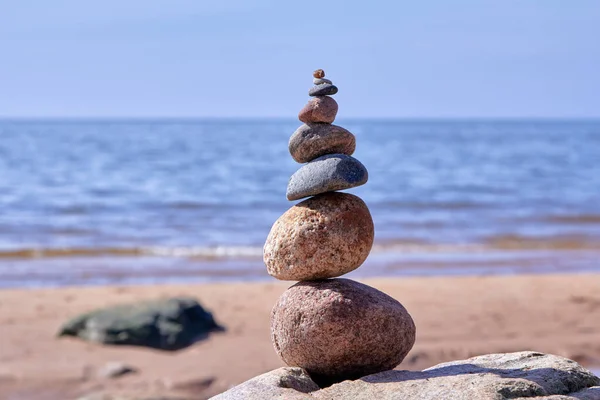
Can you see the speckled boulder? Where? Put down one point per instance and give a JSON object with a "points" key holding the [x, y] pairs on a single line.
{"points": [[327, 173], [319, 109], [314, 140], [325, 236], [524, 375], [339, 329]]}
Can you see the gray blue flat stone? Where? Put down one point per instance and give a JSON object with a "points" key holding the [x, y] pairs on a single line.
{"points": [[325, 89], [320, 81], [326, 174]]}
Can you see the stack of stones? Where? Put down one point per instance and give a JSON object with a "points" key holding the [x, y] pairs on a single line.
{"points": [[336, 329]]}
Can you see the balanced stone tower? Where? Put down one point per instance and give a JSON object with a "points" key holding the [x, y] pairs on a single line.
{"points": [[336, 329]]}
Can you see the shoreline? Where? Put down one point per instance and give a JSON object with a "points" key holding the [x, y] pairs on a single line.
{"points": [[147, 270], [456, 318]]}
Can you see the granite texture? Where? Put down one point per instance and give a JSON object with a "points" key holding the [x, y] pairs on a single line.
{"points": [[523, 375], [322, 237], [314, 140], [283, 383], [340, 329], [327, 173], [319, 109]]}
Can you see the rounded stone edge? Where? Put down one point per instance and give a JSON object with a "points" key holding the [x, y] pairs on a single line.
{"points": [[324, 380], [339, 147], [312, 112], [292, 195], [318, 73], [271, 254], [324, 89]]}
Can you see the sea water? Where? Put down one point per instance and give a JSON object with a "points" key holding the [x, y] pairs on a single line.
{"points": [[126, 201]]}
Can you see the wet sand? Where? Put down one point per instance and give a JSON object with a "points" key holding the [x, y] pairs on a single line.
{"points": [[456, 318]]}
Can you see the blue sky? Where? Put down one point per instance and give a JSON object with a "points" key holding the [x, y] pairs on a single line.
{"points": [[418, 59]]}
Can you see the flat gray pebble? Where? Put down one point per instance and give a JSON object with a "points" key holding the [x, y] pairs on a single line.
{"points": [[325, 89], [320, 81], [326, 174]]}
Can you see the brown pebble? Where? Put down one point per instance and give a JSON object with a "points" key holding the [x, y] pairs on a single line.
{"points": [[314, 140], [319, 73], [338, 329], [324, 236], [319, 109]]}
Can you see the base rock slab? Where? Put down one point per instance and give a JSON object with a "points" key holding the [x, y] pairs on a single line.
{"points": [[522, 375]]}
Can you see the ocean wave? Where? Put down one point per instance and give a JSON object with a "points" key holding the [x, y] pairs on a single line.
{"points": [[68, 252], [520, 242], [424, 247], [502, 243], [511, 242], [574, 219], [431, 205], [207, 253]]}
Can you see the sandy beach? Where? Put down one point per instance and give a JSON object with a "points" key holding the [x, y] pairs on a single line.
{"points": [[455, 317]]}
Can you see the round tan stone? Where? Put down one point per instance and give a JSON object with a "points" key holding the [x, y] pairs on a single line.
{"points": [[319, 109], [339, 329], [324, 236]]}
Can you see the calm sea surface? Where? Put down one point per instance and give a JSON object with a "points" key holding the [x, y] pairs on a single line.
{"points": [[88, 202]]}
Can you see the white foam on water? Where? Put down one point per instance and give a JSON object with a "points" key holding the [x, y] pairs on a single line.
{"points": [[206, 252]]}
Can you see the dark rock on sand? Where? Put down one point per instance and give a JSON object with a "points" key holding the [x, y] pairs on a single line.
{"points": [[324, 89], [339, 329], [523, 375], [166, 324], [314, 140], [327, 173], [322, 237]]}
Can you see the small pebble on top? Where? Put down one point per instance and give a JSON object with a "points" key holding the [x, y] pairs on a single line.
{"points": [[319, 73], [323, 87]]}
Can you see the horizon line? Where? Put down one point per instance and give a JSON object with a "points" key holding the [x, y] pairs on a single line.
{"points": [[262, 118]]}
